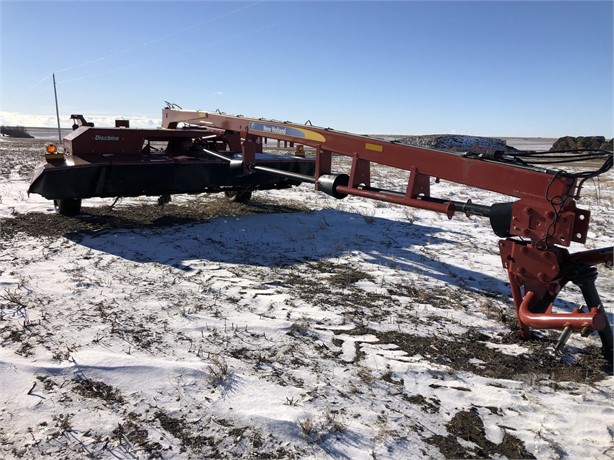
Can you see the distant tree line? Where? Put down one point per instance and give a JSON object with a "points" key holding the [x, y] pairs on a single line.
{"points": [[15, 131]]}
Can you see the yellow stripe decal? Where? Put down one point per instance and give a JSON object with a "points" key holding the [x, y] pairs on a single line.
{"points": [[312, 135], [375, 147]]}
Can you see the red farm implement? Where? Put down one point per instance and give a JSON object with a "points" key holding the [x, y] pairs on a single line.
{"points": [[535, 226], [124, 162]]}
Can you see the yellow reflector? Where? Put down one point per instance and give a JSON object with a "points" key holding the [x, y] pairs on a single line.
{"points": [[374, 147], [51, 148]]}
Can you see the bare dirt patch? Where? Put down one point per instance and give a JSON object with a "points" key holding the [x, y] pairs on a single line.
{"points": [[470, 352], [468, 426], [100, 219]]}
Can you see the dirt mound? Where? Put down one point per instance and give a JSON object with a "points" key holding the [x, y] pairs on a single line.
{"points": [[582, 143], [458, 143]]}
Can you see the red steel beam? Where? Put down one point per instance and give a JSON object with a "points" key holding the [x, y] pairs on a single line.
{"points": [[483, 174]]}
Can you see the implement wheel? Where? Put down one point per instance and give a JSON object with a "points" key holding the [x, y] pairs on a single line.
{"points": [[606, 340], [238, 196], [67, 206]]}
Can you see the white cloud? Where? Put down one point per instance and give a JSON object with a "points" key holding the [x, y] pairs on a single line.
{"points": [[49, 121], [21, 119]]}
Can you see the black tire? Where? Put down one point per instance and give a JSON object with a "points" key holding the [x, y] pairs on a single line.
{"points": [[238, 196], [68, 206], [607, 341]]}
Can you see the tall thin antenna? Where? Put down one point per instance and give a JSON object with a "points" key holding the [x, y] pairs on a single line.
{"points": [[57, 111]]}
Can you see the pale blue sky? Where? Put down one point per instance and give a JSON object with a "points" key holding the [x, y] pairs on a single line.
{"points": [[484, 68]]}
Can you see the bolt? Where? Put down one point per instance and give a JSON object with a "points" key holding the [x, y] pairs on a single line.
{"points": [[554, 288]]}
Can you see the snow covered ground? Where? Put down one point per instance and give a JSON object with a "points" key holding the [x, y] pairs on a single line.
{"points": [[297, 326]]}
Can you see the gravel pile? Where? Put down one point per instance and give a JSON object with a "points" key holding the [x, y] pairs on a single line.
{"points": [[458, 143]]}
